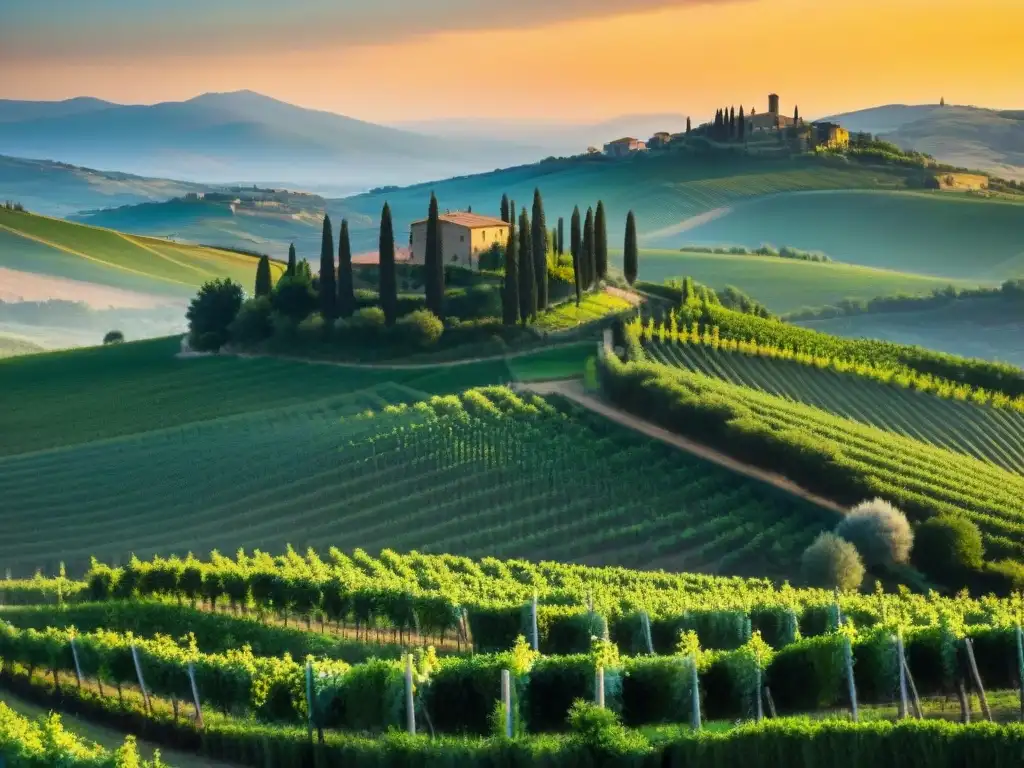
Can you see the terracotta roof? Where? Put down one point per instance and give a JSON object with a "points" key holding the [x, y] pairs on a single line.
{"points": [[468, 220], [624, 140]]}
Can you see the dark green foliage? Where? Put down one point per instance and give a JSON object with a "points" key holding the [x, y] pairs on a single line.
{"points": [[879, 531], [599, 731], [600, 243], [539, 249], [388, 286], [293, 296], [327, 288], [462, 694], [560, 237], [346, 292], [505, 210], [741, 125], [587, 251], [566, 631], [947, 544], [630, 253], [576, 246], [554, 685], [832, 563], [510, 290], [687, 125], [252, 323], [496, 629], [291, 260], [808, 675], [211, 312], [421, 329], [264, 282], [433, 261], [113, 337], [656, 689], [527, 282]]}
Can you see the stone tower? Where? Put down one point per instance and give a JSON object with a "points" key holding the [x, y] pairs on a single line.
{"points": [[773, 103]]}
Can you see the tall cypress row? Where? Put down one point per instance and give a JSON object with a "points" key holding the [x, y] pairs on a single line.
{"points": [[527, 282], [328, 281], [630, 257], [510, 294], [290, 271], [433, 265], [539, 247], [504, 209], [600, 244], [587, 255], [575, 243], [388, 285], [264, 283], [346, 286], [560, 246]]}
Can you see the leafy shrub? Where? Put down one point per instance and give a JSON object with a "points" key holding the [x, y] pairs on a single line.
{"points": [[656, 689], [420, 329], [833, 563], [252, 323], [879, 531], [600, 730], [312, 328], [211, 312], [113, 337], [293, 296], [948, 543], [555, 683]]}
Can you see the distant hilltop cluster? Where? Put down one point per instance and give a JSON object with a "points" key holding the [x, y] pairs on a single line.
{"points": [[746, 128]]}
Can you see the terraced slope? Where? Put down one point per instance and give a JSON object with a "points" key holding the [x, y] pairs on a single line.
{"points": [[55, 247], [992, 434], [487, 474]]}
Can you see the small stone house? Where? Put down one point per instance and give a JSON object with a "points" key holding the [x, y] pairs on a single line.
{"points": [[624, 146], [464, 236]]}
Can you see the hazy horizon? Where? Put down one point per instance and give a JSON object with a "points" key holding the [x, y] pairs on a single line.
{"points": [[664, 56]]}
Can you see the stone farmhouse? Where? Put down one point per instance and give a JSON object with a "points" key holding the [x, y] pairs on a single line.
{"points": [[464, 236]]}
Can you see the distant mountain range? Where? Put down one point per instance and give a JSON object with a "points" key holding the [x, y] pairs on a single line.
{"points": [[971, 137], [223, 137]]}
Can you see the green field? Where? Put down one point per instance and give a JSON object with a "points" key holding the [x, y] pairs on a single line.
{"points": [[945, 234], [662, 190], [303, 473], [992, 434], [567, 315], [785, 285], [62, 249], [14, 345]]}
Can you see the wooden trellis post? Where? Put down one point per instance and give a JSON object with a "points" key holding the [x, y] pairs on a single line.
{"points": [[903, 676], [1020, 668], [645, 623], [506, 701], [195, 694], [599, 687], [142, 682], [533, 618], [850, 683], [410, 706], [78, 666], [976, 677], [309, 697], [694, 695]]}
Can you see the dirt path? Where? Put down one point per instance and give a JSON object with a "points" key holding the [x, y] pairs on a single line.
{"points": [[574, 391]]}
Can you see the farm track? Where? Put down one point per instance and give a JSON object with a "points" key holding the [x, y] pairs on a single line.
{"points": [[573, 390]]}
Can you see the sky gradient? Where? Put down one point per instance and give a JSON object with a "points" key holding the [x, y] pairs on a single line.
{"points": [[563, 60]]}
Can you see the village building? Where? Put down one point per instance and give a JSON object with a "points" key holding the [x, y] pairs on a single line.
{"points": [[464, 236], [624, 146], [830, 135], [660, 140], [771, 120]]}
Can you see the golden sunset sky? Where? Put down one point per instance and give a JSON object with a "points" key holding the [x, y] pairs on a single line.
{"points": [[537, 60]]}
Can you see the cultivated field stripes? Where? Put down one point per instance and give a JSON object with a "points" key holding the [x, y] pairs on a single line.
{"points": [[444, 478], [994, 435]]}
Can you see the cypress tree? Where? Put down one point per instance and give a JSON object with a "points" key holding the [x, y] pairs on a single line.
{"points": [[687, 126], [433, 263], [732, 122], [527, 283], [264, 283], [504, 208], [539, 248], [290, 271], [575, 244], [328, 280], [587, 253], [630, 257], [796, 115], [561, 236], [388, 285], [346, 292], [510, 294], [741, 125], [554, 243], [600, 244]]}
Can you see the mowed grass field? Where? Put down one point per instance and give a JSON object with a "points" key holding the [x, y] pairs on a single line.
{"points": [[785, 285], [540, 481], [992, 434], [567, 315], [55, 247], [945, 234]]}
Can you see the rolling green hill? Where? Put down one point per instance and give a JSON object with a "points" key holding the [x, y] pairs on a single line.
{"points": [[944, 234], [785, 285], [59, 248], [11, 346]]}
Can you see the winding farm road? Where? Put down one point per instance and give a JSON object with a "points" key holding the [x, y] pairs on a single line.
{"points": [[573, 389]]}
